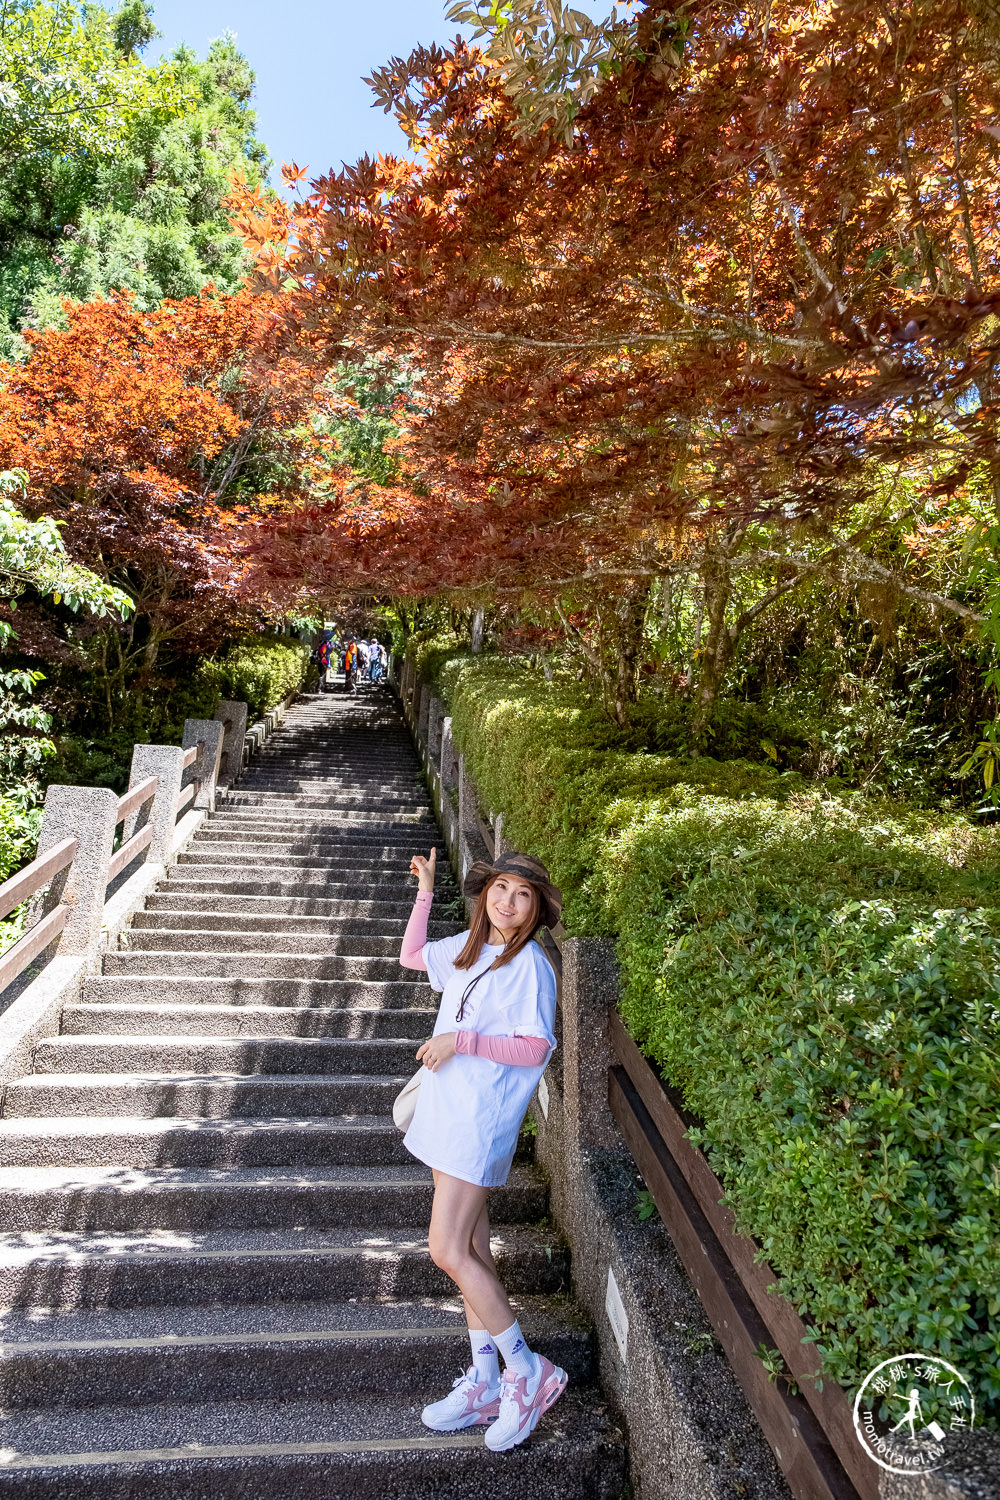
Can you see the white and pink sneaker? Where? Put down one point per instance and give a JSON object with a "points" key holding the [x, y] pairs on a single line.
{"points": [[522, 1402], [472, 1403]]}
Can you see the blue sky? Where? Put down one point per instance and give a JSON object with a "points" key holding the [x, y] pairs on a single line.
{"points": [[309, 58]]}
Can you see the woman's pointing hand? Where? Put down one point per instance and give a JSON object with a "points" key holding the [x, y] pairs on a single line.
{"points": [[424, 870]]}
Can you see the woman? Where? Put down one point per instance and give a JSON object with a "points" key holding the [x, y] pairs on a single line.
{"points": [[492, 1040]]}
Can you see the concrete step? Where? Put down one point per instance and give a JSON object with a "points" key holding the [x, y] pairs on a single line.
{"points": [[202, 1019], [161, 1268], [353, 828], [259, 966], [282, 794], [187, 919], [304, 1449], [244, 856], [218, 878], [222, 1054], [185, 1200], [275, 803], [217, 901], [212, 835], [351, 944], [366, 795], [202, 1096], [244, 1352], [323, 994], [117, 1141]]}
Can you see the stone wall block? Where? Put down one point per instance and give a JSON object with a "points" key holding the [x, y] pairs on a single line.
{"points": [[420, 710], [590, 989], [167, 763], [432, 740], [233, 716], [423, 715], [449, 760], [88, 814], [206, 767], [468, 820], [501, 843]]}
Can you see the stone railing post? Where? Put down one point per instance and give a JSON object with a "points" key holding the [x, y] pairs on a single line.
{"points": [[88, 814], [449, 760], [501, 844], [432, 742], [233, 717], [590, 989], [166, 762], [206, 767], [470, 841], [423, 713]]}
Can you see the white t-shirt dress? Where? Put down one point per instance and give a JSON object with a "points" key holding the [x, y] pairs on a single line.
{"points": [[469, 1111]]}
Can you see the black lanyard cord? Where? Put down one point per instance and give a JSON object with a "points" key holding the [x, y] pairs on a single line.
{"points": [[468, 990]]}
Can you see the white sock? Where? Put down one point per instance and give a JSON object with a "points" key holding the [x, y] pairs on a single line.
{"points": [[516, 1354], [484, 1356]]}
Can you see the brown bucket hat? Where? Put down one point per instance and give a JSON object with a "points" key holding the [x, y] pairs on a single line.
{"points": [[525, 867]]}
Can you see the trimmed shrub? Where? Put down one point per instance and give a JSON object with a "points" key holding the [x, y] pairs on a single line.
{"points": [[438, 657], [261, 671], [818, 976]]}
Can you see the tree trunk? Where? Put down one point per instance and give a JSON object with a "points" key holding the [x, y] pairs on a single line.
{"points": [[478, 622], [623, 629], [719, 640]]}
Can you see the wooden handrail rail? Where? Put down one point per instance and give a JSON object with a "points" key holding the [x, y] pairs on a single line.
{"points": [[785, 1329], [186, 796], [138, 797], [191, 755], [31, 879], [128, 851], [34, 941]]}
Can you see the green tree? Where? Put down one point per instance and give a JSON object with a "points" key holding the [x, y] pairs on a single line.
{"points": [[136, 208], [32, 557]]}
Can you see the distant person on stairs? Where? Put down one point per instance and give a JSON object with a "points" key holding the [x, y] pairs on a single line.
{"points": [[350, 665], [492, 1040], [375, 660]]}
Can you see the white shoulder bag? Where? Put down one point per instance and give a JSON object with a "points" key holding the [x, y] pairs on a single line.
{"points": [[405, 1102]]}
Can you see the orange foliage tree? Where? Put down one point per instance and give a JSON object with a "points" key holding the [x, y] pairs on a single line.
{"points": [[756, 276], [155, 439]]}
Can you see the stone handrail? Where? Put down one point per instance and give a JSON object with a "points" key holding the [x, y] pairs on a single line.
{"points": [[83, 892]]}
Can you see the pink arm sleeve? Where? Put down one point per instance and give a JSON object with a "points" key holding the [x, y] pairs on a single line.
{"points": [[522, 1051], [415, 935]]}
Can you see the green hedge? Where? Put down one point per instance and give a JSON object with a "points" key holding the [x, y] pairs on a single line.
{"points": [[261, 672], [818, 976], [438, 656]]}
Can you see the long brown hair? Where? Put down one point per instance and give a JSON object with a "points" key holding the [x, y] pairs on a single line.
{"points": [[479, 929]]}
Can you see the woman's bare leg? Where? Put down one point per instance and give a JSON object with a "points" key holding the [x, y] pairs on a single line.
{"points": [[455, 1220], [480, 1247]]}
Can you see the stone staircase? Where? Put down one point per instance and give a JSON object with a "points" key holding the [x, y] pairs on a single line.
{"points": [[213, 1270]]}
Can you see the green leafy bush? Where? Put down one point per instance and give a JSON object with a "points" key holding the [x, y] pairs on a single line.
{"points": [[260, 671], [822, 984], [153, 715], [438, 656], [819, 977], [19, 829]]}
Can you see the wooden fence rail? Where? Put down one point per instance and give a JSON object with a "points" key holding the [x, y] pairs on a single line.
{"points": [[40, 873], [809, 1428], [29, 881]]}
